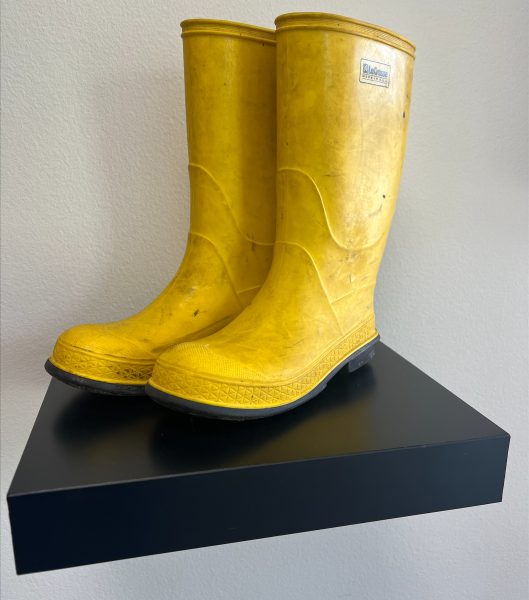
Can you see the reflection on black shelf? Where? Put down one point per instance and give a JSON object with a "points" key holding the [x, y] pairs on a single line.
{"points": [[327, 423]]}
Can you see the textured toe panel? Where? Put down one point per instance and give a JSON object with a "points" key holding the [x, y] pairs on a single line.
{"points": [[98, 352], [188, 378]]}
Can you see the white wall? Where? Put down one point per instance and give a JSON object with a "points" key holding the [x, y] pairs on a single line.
{"points": [[94, 219]]}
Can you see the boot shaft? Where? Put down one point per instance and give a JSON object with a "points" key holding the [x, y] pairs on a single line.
{"points": [[344, 91], [230, 82]]}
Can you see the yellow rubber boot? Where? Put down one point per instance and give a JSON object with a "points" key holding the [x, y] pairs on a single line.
{"points": [[343, 106], [230, 88]]}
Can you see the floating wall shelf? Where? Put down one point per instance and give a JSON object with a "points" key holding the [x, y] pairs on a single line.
{"points": [[105, 478]]}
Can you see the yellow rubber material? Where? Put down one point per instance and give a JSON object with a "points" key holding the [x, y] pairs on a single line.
{"points": [[231, 120], [343, 97]]}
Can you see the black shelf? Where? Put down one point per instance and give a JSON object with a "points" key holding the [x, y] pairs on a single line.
{"points": [[105, 478]]}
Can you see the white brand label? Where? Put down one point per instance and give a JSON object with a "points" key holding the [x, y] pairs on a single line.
{"points": [[374, 73]]}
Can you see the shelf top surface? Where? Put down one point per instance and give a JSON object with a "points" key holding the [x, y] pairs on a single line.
{"points": [[82, 439]]}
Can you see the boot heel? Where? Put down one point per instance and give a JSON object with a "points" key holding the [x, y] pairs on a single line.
{"points": [[362, 358]]}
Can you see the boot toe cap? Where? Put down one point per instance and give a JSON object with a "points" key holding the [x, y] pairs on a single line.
{"points": [[197, 372], [99, 353], [206, 360]]}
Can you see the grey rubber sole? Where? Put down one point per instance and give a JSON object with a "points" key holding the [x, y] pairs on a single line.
{"points": [[353, 362], [91, 385]]}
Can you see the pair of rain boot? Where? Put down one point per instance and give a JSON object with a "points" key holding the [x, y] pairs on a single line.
{"points": [[296, 143]]}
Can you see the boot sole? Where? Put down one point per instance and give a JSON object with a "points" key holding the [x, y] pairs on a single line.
{"points": [[91, 385], [353, 362]]}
